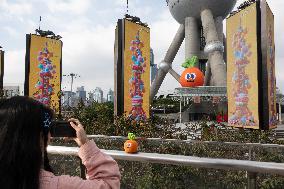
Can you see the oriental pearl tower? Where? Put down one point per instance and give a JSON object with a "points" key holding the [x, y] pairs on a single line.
{"points": [[201, 25]]}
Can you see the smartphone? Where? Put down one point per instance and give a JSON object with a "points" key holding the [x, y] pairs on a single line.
{"points": [[62, 129]]}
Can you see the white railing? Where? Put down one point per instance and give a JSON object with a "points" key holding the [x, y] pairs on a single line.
{"points": [[251, 167], [226, 164]]}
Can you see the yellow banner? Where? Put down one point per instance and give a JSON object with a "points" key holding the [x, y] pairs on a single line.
{"points": [[136, 71], [242, 70], [44, 77]]}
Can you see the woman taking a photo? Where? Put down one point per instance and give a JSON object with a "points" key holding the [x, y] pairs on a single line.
{"points": [[24, 136]]}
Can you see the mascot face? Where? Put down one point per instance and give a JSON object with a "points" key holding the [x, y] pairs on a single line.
{"points": [[192, 77], [130, 146]]}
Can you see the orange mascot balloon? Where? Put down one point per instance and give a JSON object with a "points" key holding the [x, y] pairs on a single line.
{"points": [[131, 146], [191, 76]]}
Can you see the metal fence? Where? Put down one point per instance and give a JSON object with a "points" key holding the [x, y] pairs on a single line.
{"points": [[280, 133]]}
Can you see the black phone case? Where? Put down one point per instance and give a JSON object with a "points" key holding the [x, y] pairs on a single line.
{"points": [[62, 129]]}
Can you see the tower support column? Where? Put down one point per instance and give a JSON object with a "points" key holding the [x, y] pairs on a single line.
{"points": [[219, 28], [214, 48], [192, 38]]}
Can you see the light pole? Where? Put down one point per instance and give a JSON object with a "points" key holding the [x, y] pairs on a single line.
{"points": [[73, 76]]}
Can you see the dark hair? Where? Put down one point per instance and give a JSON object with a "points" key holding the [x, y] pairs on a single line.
{"points": [[21, 134]]}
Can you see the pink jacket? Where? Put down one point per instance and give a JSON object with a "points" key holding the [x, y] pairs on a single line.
{"points": [[102, 172]]}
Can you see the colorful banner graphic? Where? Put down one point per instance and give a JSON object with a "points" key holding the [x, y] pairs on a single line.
{"points": [[242, 72], [43, 70], [136, 67], [270, 56]]}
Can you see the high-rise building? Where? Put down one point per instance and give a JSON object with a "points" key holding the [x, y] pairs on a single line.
{"points": [[98, 95], [10, 91], [154, 71], [91, 96], [81, 93], [151, 57], [68, 99], [154, 67], [110, 96], [90, 99]]}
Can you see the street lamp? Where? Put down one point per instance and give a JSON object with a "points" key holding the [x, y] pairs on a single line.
{"points": [[72, 75]]}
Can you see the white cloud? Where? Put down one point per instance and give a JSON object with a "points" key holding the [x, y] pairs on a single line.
{"points": [[11, 31], [14, 66], [135, 8], [15, 8], [69, 6], [89, 53], [120, 2]]}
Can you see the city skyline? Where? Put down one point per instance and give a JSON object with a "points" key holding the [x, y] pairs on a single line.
{"points": [[72, 99], [82, 31]]}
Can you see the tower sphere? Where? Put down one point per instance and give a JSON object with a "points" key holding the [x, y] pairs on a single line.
{"points": [[180, 9]]}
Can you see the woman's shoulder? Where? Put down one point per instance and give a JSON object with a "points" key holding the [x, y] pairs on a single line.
{"points": [[50, 181], [47, 180]]}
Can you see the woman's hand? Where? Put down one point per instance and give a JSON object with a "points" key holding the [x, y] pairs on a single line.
{"points": [[80, 132]]}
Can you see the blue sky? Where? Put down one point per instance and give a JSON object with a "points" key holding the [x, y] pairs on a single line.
{"points": [[87, 28]]}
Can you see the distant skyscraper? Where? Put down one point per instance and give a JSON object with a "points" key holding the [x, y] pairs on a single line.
{"points": [[98, 95], [91, 97], [10, 91], [151, 57], [154, 67], [110, 95], [68, 99], [81, 93]]}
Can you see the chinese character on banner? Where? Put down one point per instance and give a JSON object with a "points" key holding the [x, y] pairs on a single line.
{"points": [[196, 99], [216, 99]]}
